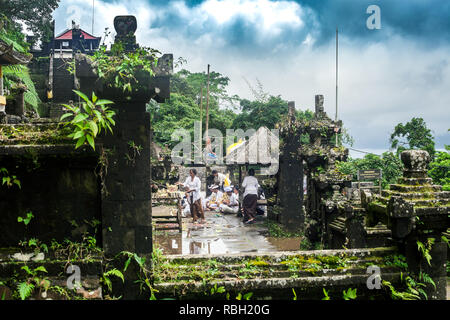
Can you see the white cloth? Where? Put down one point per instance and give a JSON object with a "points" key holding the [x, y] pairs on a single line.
{"points": [[227, 209], [193, 185], [221, 177], [251, 185], [234, 199], [215, 197]]}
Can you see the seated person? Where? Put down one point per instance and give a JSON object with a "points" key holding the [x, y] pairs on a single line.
{"points": [[213, 201], [185, 208], [230, 201]]}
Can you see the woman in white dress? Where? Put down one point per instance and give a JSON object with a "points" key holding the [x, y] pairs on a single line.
{"points": [[193, 186], [249, 203]]}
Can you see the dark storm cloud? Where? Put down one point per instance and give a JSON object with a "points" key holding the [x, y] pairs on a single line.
{"points": [[427, 21]]}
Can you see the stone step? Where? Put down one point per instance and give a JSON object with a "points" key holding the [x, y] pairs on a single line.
{"points": [[415, 181], [275, 274], [415, 189], [271, 285], [431, 202], [280, 256]]}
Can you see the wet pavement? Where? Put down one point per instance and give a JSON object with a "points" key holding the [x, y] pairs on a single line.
{"points": [[221, 234]]}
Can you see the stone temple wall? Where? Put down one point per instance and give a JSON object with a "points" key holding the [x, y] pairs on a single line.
{"points": [[57, 185]]}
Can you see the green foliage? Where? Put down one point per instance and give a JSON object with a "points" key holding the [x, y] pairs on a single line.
{"points": [[440, 169], [11, 33], [36, 14], [424, 249], [412, 135], [350, 294], [183, 108], [119, 67], [26, 220], [278, 231], [325, 293], [9, 180], [113, 272], [17, 74], [397, 260], [25, 289], [391, 166], [33, 281], [257, 113], [88, 120], [214, 290], [245, 296]]}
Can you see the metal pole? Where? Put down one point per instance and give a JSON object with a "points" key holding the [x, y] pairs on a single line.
{"points": [[201, 120], [207, 105], [93, 1], [337, 69]]}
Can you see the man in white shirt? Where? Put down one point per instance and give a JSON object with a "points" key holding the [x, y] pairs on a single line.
{"points": [[230, 203], [215, 198], [222, 180]]}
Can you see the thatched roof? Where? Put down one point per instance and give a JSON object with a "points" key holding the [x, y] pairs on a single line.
{"points": [[9, 57], [261, 148]]}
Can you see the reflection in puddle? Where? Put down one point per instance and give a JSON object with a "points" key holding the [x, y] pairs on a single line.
{"points": [[222, 235]]}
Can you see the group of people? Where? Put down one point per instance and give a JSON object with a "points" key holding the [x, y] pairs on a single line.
{"points": [[224, 197]]}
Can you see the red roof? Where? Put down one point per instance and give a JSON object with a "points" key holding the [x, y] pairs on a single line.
{"points": [[67, 35]]}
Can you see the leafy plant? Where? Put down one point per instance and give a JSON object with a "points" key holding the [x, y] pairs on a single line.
{"points": [[9, 180], [350, 294], [26, 220], [215, 289], [245, 296], [88, 120], [119, 67], [113, 272], [424, 249], [32, 282], [325, 293]]}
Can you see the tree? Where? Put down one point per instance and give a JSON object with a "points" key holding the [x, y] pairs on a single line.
{"points": [[256, 114], [412, 135], [36, 14], [439, 169], [391, 166]]}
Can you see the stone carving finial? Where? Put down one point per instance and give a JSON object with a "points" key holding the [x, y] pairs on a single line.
{"points": [[125, 27], [291, 110], [416, 163], [319, 105]]}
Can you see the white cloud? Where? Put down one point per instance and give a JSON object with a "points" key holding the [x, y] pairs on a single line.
{"points": [[381, 84]]}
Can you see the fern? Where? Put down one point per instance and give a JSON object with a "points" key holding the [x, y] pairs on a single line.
{"points": [[112, 272], [25, 289], [19, 72]]}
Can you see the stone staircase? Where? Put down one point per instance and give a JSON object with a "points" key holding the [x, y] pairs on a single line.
{"points": [[274, 275]]}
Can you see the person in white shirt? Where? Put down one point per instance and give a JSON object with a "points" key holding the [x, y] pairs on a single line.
{"points": [[215, 198], [230, 202], [251, 186], [193, 186], [222, 180]]}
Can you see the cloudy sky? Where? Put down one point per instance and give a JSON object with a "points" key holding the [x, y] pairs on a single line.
{"points": [[386, 75]]}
